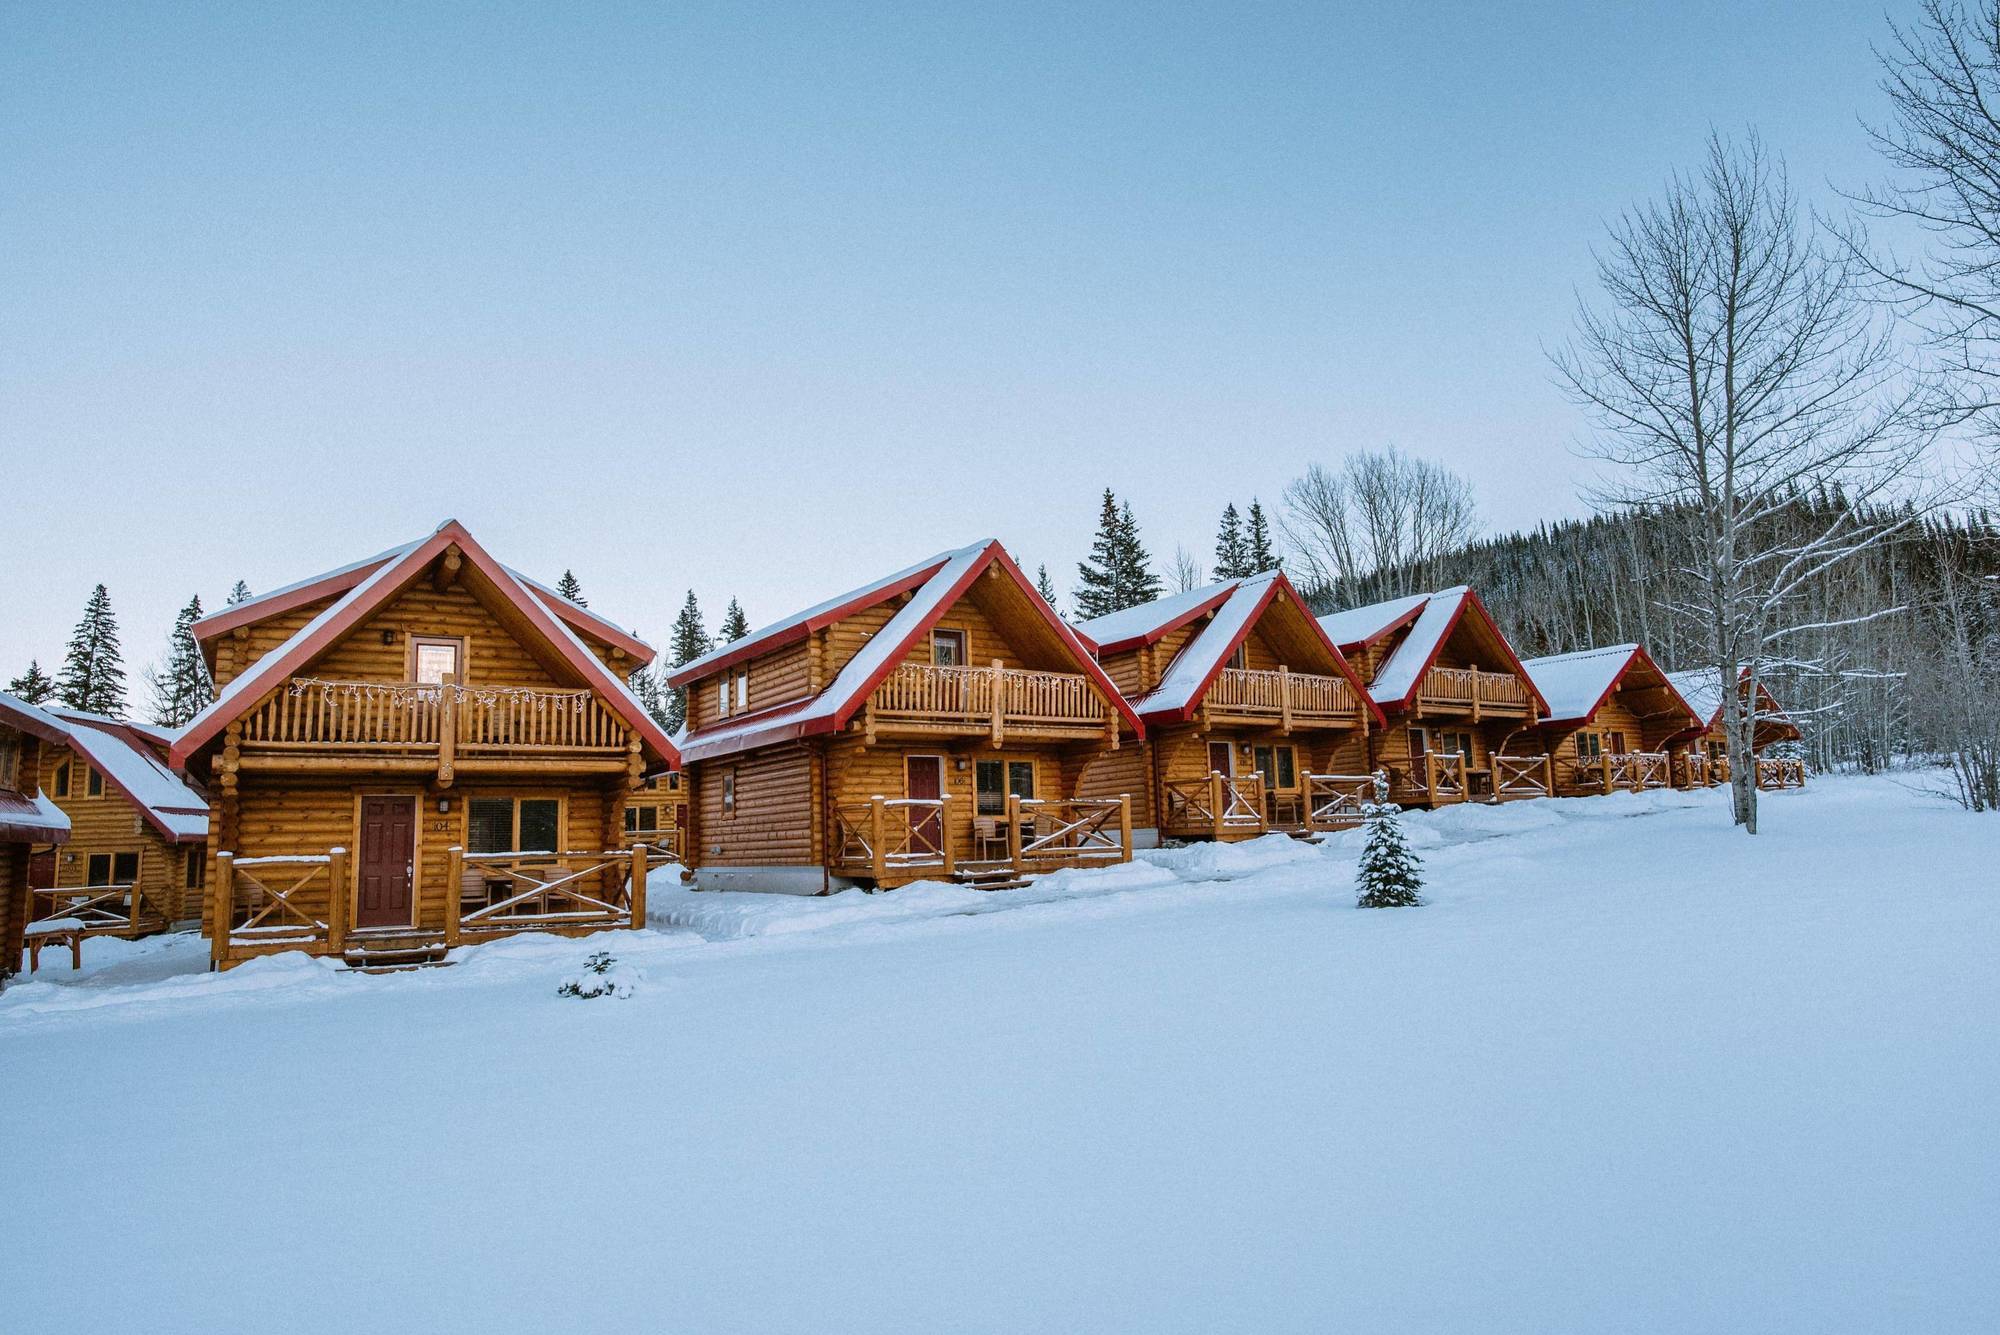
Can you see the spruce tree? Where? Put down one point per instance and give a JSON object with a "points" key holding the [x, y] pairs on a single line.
{"points": [[1044, 585], [1260, 554], [1390, 875], [571, 588], [182, 690], [239, 594], [646, 684], [93, 670], [1097, 581], [33, 686], [690, 642], [734, 624], [1137, 582], [1232, 558]]}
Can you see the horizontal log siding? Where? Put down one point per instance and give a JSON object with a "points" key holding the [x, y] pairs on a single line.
{"points": [[110, 823], [1126, 771], [772, 825], [775, 678]]}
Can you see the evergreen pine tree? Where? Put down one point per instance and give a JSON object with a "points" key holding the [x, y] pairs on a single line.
{"points": [[239, 594], [1097, 579], [1232, 558], [734, 624], [646, 684], [1260, 554], [33, 686], [1390, 875], [1137, 582], [93, 670], [1044, 585], [182, 690], [690, 642], [571, 588]]}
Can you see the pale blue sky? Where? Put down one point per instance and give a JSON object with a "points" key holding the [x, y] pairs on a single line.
{"points": [[766, 300]]}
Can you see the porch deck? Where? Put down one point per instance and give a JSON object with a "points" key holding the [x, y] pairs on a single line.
{"points": [[893, 841]]}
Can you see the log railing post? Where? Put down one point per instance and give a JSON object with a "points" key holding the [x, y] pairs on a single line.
{"points": [[999, 701], [454, 893], [877, 850], [1215, 804], [1548, 774], [222, 908], [1284, 697], [336, 901], [1472, 683], [1014, 831], [638, 885], [1125, 827], [944, 835], [1431, 777], [447, 729]]}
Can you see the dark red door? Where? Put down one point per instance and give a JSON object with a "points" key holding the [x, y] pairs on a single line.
{"points": [[923, 779], [42, 870], [386, 861], [1221, 759]]}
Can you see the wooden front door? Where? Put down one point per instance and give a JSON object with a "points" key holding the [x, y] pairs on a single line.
{"points": [[923, 778], [1221, 759], [386, 865], [42, 870]]}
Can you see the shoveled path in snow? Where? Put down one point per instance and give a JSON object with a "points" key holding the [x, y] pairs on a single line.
{"points": [[1629, 1070]]}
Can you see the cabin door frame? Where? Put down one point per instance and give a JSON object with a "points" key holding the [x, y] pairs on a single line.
{"points": [[1227, 750], [362, 916], [926, 830]]}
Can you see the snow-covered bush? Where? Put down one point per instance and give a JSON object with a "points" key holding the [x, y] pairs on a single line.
{"points": [[601, 976], [1390, 875]]}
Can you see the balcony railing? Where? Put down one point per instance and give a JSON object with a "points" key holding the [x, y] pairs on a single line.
{"points": [[994, 700], [892, 840], [1282, 696], [1474, 691], [447, 720]]}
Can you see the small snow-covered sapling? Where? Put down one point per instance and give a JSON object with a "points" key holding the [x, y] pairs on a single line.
{"points": [[1390, 875]]}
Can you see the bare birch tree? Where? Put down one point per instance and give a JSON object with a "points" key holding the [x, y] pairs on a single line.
{"points": [[1734, 366], [1378, 526], [1186, 572]]}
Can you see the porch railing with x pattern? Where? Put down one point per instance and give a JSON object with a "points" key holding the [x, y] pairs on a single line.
{"points": [[99, 910], [503, 893], [1335, 801], [1523, 776], [1215, 807], [262, 904], [886, 835]]}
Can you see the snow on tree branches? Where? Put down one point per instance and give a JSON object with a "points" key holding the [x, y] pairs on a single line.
{"points": [[1390, 875]]}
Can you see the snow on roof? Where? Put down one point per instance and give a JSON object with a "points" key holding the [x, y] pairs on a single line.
{"points": [[1575, 683], [1398, 676], [280, 595], [30, 718], [1702, 689], [34, 819], [121, 752], [1148, 619], [832, 609], [1359, 624], [274, 666]]}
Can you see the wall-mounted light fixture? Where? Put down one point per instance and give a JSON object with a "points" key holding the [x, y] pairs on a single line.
{"points": [[444, 805], [388, 636]]}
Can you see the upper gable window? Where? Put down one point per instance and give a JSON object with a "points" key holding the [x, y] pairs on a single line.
{"points": [[61, 784], [732, 693], [948, 648], [93, 782], [433, 659]]}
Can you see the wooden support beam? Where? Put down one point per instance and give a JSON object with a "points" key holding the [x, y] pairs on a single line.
{"points": [[447, 731], [448, 566], [876, 833], [222, 903], [454, 893], [1285, 697], [999, 695], [1014, 832], [339, 897], [639, 885], [944, 829]]}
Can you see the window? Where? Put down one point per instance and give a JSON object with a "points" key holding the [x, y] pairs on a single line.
{"points": [[948, 648], [732, 693], [1589, 746], [197, 869], [511, 825], [1278, 765], [10, 764], [433, 659], [62, 779], [722, 697], [642, 820], [1460, 742], [93, 781], [742, 690], [111, 869], [729, 793], [995, 780], [97, 871], [1618, 743]]}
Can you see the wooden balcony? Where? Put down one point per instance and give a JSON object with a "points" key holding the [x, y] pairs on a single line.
{"points": [[315, 723], [895, 840], [995, 702], [1281, 698], [1471, 691]]}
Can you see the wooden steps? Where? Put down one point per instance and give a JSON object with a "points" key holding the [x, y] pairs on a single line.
{"points": [[394, 952], [985, 878]]}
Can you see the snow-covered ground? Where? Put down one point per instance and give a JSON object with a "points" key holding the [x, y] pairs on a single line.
{"points": [[1628, 1071]]}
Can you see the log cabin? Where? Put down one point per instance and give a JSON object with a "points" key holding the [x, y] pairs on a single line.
{"points": [[1454, 696], [415, 750], [27, 818], [1254, 720], [655, 814], [1615, 722], [1705, 745], [137, 853], [939, 723]]}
